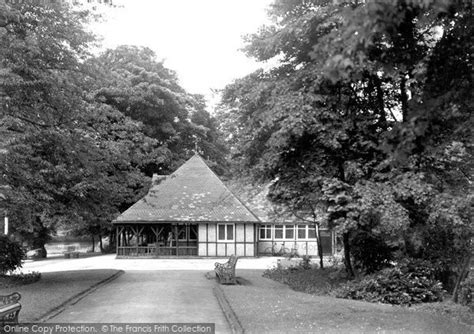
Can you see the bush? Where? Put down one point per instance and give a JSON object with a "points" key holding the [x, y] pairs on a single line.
{"points": [[14, 279], [313, 280], [410, 282], [466, 291], [370, 252], [305, 262], [22, 279], [11, 255]]}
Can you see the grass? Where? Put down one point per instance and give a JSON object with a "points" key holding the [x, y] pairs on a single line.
{"points": [[322, 282], [460, 313], [263, 305], [53, 290]]}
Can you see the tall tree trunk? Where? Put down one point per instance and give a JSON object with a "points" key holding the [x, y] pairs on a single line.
{"points": [[404, 98], [380, 103], [39, 243], [101, 246], [93, 243], [40, 237], [112, 239], [347, 254], [320, 246], [462, 276]]}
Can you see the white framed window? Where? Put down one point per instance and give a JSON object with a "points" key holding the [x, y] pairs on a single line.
{"points": [[279, 229], [225, 232], [301, 231], [265, 232], [306, 232], [278, 232], [284, 232]]}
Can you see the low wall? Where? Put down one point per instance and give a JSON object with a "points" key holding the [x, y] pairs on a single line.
{"points": [[61, 247]]}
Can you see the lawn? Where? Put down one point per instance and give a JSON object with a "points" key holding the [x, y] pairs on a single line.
{"points": [[264, 305], [55, 289], [323, 282]]}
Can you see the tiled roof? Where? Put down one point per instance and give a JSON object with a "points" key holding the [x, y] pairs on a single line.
{"points": [[193, 193]]}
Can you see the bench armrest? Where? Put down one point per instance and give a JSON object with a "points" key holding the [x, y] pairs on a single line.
{"points": [[10, 299]]}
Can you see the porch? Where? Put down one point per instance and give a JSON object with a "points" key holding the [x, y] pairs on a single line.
{"points": [[157, 240]]}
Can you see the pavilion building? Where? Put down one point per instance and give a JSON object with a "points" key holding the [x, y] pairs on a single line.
{"points": [[191, 213]]}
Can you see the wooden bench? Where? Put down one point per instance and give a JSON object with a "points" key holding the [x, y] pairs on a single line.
{"points": [[10, 308], [225, 272]]}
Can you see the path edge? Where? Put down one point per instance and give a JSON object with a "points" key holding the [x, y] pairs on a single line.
{"points": [[76, 298], [231, 317]]}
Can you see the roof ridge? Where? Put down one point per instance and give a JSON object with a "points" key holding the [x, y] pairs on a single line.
{"points": [[193, 192], [227, 188]]}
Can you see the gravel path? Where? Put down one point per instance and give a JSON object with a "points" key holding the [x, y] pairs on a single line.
{"points": [[150, 297]]}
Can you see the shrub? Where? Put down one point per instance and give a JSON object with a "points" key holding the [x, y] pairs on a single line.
{"points": [[22, 278], [314, 280], [466, 291], [334, 261], [410, 282], [305, 262], [11, 255], [370, 252], [15, 279]]}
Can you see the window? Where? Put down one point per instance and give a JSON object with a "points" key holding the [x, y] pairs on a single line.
{"points": [[278, 231], [281, 232], [289, 231], [265, 232], [301, 231], [306, 232], [225, 232]]}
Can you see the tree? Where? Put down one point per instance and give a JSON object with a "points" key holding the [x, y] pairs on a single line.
{"points": [[70, 161], [84, 130], [11, 255], [134, 82], [354, 109]]}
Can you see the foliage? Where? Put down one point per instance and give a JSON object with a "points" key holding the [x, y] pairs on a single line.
{"points": [[305, 262], [353, 120], [81, 132], [466, 292], [23, 278], [309, 280], [370, 252], [133, 81], [409, 282], [11, 255]]}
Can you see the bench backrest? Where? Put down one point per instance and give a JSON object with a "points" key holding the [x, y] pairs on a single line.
{"points": [[233, 260]]}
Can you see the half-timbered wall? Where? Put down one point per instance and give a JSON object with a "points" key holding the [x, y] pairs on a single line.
{"points": [[216, 239]]}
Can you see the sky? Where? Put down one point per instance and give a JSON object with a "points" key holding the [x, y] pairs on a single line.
{"points": [[198, 39]]}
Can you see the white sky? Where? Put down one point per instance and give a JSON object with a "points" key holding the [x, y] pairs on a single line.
{"points": [[199, 39]]}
